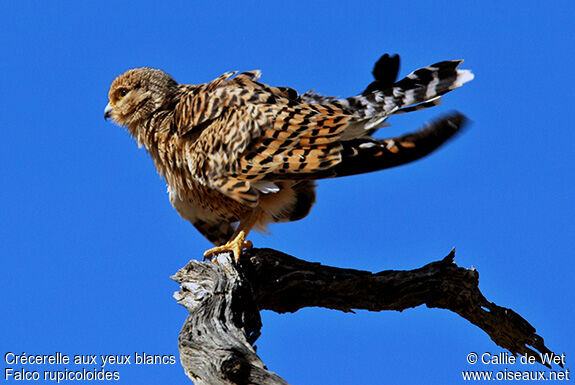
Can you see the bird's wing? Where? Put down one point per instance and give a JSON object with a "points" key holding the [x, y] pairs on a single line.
{"points": [[240, 131], [247, 135], [214, 157], [217, 121], [308, 140]]}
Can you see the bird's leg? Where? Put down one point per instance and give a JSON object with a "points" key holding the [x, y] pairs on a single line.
{"points": [[238, 241]]}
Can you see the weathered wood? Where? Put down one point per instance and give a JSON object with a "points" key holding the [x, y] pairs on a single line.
{"points": [[216, 340], [224, 299]]}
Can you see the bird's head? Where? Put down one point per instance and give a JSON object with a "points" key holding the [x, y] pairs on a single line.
{"points": [[137, 94]]}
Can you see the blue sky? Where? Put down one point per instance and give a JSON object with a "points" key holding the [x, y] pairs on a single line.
{"points": [[89, 238]]}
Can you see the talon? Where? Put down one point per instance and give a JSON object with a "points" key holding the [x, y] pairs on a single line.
{"points": [[235, 246]]}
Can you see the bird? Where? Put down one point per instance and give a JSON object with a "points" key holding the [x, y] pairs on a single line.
{"points": [[238, 154]]}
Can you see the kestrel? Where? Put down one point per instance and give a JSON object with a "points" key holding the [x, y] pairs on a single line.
{"points": [[238, 154]]}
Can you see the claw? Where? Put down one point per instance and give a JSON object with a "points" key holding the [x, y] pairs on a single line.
{"points": [[236, 245]]}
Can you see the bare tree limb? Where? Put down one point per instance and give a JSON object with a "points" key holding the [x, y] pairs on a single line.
{"points": [[223, 298], [285, 284]]}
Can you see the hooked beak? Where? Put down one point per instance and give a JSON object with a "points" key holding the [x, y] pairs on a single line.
{"points": [[108, 111]]}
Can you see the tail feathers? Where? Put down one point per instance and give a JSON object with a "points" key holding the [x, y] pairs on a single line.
{"points": [[422, 87], [367, 154], [384, 96]]}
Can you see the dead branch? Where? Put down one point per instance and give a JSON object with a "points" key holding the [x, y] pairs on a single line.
{"points": [[223, 299]]}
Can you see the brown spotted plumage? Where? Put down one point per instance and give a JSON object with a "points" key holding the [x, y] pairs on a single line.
{"points": [[235, 150]]}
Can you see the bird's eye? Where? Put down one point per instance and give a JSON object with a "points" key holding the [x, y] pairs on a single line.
{"points": [[122, 92]]}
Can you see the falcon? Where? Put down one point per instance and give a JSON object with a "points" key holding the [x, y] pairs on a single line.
{"points": [[238, 154]]}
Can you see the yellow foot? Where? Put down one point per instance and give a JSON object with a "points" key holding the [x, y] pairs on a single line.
{"points": [[235, 245]]}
